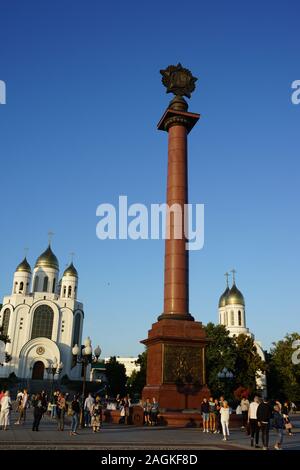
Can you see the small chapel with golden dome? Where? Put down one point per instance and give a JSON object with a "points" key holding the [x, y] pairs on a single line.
{"points": [[232, 314], [43, 319]]}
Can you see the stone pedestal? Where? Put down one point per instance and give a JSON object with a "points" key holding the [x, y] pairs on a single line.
{"points": [[176, 364]]}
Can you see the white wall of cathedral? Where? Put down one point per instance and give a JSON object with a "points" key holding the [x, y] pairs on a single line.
{"points": [[68, 287], [44, 280], [21, 283], [22, 310], [234, 318]]}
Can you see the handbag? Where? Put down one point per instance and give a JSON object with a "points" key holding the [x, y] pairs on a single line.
{"points": [[288, 425]]}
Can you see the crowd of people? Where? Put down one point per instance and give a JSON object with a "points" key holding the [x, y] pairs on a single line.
{"points": [[258, 417]]}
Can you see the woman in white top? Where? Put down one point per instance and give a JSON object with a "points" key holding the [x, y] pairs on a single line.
{"points": [[5, 410], [225, 413]]}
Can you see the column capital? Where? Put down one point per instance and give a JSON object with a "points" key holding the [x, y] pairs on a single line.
{"points": [[172, 117]]}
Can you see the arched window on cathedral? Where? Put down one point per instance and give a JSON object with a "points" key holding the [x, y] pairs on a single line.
{"points": [[5, 323], [232, 317], [225, 319], [36, 283], [53, 285], [69, 291], [15, 288], [45, 284], [21, 287], [42, 322], [240, 317], [65, 291], [76, 329]]}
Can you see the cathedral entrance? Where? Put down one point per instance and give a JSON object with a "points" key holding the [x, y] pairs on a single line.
{"points": [[38, 371]]}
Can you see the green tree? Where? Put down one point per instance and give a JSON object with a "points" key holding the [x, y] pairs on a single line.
{"points": [[283, 376], [220, 354], [248, 362], [137, 381], [116, 376]]}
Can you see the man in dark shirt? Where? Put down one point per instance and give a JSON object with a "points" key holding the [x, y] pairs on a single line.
{"points": [[264, 415]]}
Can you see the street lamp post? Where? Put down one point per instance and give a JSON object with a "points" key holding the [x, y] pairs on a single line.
{"points": [[225, 375], [85, 357], [54, 368]]}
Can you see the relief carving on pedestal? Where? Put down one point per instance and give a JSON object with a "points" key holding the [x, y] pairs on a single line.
{"points": [[182, 364]]}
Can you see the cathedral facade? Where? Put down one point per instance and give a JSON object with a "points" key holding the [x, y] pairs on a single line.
{"points": [[232, 314], [43, 319]]}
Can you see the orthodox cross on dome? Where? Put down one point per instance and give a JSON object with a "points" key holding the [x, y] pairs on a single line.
{"points": [[72, 254], [233, 275], [26, 249], [50, 236], [227, 276]]}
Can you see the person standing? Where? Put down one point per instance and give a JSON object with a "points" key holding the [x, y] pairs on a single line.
{"points": [[252, 420], [279, 425], [39, 407], [22, 407], [285, 413], [60, 411], [218, 416], [75, 410], [264, 415], [205, 414], [5, 406], [96, 414], [154, 411], [225, 414], [88, 406], [212, 415], [245, 408], [147, 410]]}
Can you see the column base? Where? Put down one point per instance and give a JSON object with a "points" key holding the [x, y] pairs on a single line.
{"points": [[176, 363]]}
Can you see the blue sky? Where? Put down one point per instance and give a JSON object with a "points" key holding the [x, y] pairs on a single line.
{"points": [[84, 96]]}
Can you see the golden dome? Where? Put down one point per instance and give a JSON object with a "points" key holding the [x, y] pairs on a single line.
{"points": [[222, 300], [47, 260], [24, 266], [234, 296], [71, 271]]}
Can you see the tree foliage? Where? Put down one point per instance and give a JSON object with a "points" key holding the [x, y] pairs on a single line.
{"points": [[237, 355], [116, 376], [220, 354], [137, 380], [283, 377]]}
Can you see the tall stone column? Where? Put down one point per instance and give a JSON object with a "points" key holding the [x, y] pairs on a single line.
{"points": [[176, 343]]}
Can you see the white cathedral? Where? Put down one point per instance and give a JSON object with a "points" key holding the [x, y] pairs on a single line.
{"points": [[42, 319], [232, 315]]}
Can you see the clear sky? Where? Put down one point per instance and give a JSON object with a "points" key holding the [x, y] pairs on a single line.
{"points": [[84, 95]]}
